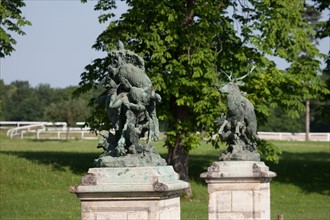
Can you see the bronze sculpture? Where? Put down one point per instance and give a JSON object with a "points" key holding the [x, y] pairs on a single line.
{"points": [[131, 106], [239, 127]]}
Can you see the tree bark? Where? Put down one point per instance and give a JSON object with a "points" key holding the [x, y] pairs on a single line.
{"points": [[178, 158], [177, 154], [307, 123]]}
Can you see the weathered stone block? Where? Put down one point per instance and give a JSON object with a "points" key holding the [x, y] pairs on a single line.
{"points": [[130, 193], [242, 201], [223, 199], [238, 190]]}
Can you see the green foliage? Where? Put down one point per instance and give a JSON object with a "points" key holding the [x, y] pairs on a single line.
{"points": [[179, 62], [324, 26], [69, 111], [191, 140], [322, 107], [21, 102], [268, 151], [11, 21], [186, 45], [279, 121], [93, 81]]}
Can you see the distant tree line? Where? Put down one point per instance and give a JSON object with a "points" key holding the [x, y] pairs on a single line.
{"points": [[22, 102], [279, 121]]}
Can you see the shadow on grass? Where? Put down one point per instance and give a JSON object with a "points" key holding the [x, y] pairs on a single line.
{"points": [[78, 163], [309, 171], [50, 140], [198, 164]]}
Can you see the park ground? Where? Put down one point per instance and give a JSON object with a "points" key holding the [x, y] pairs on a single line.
{"points": [[35, 177]]}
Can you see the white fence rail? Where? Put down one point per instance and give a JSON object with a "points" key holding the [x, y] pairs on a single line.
{"points": [[287, 136], [10, 124], [42, 130], [21, 128]]}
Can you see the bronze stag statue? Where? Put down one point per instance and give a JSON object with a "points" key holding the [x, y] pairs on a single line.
{"points": [[239, 127]]}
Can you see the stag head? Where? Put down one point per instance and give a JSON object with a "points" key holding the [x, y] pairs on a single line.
{"points": [[229, 87], [234, 83]]}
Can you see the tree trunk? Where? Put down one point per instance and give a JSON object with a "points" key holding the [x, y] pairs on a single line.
{"points": [[307, 123], [178, 158], [177, 154], [67, 132]]}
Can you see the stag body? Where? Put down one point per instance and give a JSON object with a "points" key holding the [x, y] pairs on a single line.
{"points": [[240, 110], [239, 127]]}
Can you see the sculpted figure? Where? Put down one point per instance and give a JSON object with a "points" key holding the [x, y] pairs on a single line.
{"points": [[239, 127], [131, 107]]}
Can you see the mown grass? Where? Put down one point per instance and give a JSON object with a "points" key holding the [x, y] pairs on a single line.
{"points": [[35, 177]]}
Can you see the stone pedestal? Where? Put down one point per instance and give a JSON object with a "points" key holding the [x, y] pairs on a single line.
{"points": [[238, 190], [125, 193]]}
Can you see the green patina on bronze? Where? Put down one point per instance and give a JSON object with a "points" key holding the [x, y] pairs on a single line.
{"points": [[131, 107], [238, 128]]}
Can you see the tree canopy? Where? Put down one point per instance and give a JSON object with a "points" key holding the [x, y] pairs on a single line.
{"points": [[11, 21], [324, 32], [187, 45]]}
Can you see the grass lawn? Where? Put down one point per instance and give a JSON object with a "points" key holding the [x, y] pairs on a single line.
{"points": [[35, 177]]}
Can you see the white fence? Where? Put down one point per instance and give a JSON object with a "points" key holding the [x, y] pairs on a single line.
{"points": [[45, 130], [11, 124], [23, 128], [287, 136]]}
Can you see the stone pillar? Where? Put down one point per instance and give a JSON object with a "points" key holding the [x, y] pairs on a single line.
{"points": [[150, 193], [238, 190]]}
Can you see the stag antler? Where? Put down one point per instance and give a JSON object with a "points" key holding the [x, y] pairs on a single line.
{"points": [[229, 77], [242, 77]]}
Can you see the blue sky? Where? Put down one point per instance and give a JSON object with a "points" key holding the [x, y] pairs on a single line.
{"points": [[57, 46]]}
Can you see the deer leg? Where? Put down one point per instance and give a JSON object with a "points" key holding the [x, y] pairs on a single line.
{"points": [[125, 133], [223, 126], [237, 128], [151, 127]]}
